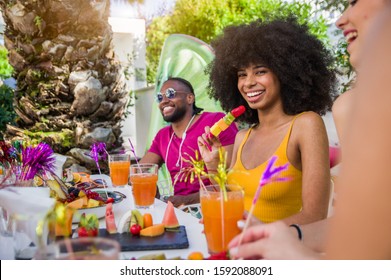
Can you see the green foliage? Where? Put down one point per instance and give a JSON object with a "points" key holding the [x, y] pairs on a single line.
{"points": [[7, 113], [38, 21], [343, 64], [64, 138], [5, 68], [332, 5], [206, 19]]}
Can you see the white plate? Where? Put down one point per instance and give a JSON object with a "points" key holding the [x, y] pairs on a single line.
{"points": [[99, 211], [107, 179]]}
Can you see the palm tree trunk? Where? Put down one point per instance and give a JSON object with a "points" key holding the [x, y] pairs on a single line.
{"points": [[70, 88]]}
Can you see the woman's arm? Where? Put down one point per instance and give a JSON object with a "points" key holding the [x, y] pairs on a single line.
{"points": [[341, 109], [308, 150]]}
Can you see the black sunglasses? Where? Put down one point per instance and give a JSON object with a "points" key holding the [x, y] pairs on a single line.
{"points": [[170, 94]]}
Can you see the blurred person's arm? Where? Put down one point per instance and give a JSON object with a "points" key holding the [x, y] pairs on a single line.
{"points": [[150, 157], [341, 109], [361, 228], [275, 241], [315, 234]]}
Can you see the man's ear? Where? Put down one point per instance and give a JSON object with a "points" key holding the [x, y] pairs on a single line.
{"points": [[190, 98]]}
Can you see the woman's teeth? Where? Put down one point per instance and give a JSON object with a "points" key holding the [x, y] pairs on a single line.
{"points": [[351, 36], [255, 93]]}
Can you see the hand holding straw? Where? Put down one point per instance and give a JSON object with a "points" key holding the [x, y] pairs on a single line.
{"points": [[267, 177]]}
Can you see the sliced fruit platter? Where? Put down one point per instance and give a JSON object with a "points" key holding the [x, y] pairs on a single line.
{"points": [[135, 231], [107, 196], [85, 195]]}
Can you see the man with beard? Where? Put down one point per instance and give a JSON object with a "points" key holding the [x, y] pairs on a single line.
{"points": [[177, 142]]}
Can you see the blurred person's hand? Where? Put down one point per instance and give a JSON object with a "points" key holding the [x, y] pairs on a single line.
{"points": [[275, 241], [253, 221]]}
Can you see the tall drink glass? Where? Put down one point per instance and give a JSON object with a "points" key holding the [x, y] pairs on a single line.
{"points": [[144, 178], [119, 169], [221, 216], [84, 248]]}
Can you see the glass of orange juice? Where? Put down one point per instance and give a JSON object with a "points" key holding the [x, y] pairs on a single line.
{"points": [[119, 169], [143, 178], [221, 215]]}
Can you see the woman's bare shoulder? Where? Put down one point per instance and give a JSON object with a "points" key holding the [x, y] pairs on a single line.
{"points": [[241, 134], [343, 103], [308, 119]]}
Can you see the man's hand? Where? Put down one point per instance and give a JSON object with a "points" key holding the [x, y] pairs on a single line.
{"points": [[179, 200]]}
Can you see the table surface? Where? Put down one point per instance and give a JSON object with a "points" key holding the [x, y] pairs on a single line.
{"points": [[197, 241], [196, 238]]}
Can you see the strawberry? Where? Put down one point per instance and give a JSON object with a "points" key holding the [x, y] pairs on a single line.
{"points": [[93, 232], [88, 225], [219, 256], [82, 232]]}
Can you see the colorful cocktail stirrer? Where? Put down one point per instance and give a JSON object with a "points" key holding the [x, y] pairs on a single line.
{"points": [[133, 150], [99, 149]]}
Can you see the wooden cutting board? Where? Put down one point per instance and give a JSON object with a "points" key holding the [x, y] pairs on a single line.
{"points": [[169, 240]]}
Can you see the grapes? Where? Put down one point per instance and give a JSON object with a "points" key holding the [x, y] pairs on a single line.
{"points": [[73, 192], [93, 195], [76, 192]]}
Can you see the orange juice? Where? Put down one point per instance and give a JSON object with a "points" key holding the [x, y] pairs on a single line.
{"points": [[119, 172], [144, 189], [144, 178], [221, 217]]}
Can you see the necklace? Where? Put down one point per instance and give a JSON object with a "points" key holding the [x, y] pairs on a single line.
{"points": [[180, 145]]}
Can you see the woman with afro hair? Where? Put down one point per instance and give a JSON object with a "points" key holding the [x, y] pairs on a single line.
{"points": [[283, 76]]}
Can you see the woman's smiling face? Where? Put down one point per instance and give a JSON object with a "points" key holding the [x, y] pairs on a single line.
{"points": [[259, 86], [355, 22]]}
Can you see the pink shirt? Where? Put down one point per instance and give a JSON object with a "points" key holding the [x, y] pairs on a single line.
{"points": [[161, 146]]}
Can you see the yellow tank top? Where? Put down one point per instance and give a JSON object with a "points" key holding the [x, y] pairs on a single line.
{"points": [[277, 200]]}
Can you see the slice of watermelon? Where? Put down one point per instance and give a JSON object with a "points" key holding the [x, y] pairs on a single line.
{"points": [[110, 220], [170, 220]]}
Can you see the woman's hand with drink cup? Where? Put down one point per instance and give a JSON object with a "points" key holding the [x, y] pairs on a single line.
{"points": [[269, 241]]}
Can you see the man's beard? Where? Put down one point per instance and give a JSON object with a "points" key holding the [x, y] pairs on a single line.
{"points": [[176, 116]]}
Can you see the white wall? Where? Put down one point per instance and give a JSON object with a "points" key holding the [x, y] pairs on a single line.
{"points": [[145, 99], [129, 47]]}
